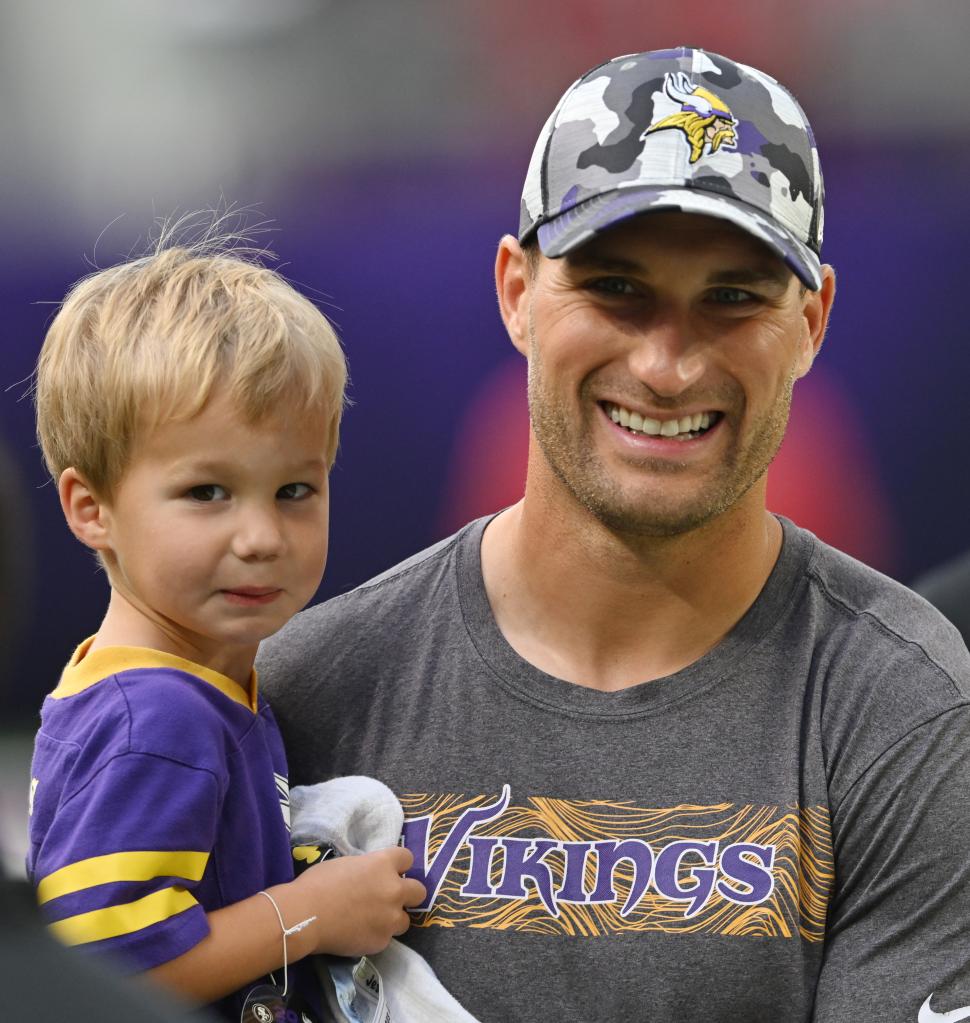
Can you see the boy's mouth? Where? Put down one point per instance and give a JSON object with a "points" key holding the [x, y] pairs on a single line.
{"points": [[252, 595]]}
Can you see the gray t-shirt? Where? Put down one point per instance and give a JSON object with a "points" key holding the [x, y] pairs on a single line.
{"points": [[778, 832]]}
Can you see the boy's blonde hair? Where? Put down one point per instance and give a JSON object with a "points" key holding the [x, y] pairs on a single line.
{"points": [[149, 340]]}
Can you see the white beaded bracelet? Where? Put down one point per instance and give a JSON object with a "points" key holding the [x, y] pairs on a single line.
{"points": [[287, 931]]}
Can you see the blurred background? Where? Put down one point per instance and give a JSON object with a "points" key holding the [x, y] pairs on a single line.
{"points": [[385, 143]]}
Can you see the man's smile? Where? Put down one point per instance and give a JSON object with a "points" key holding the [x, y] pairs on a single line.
{"points": [[679, 428]]}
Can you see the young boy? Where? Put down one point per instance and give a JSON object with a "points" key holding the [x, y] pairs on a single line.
{"points": [[188, 406]]}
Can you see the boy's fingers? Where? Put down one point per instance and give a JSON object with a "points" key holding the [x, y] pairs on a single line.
{"points": [[403, 923], [402, 858], [414, 892]]}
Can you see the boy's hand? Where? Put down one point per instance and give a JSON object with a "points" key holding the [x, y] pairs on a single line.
{"points": [[359, 900]]}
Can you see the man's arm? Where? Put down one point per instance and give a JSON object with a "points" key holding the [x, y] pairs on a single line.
{"points": [[898, 929]]}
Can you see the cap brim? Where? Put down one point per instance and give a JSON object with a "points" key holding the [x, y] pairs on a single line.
{"points": [[577, 225]]}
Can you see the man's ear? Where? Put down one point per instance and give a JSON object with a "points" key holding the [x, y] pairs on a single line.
{"points": [[86, 514], [816, 310], [512, 282]]}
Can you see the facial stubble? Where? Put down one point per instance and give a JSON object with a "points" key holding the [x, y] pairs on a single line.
{"points": [[565, 441]]}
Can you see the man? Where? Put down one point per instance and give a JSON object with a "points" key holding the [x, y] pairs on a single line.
{"points": [[662, 755]]}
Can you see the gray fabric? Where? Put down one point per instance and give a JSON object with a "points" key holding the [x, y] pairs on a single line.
{"points": [[947, 588], [823, 746]]}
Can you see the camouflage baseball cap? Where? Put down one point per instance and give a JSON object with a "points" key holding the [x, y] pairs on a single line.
{"points": [[677, 129]]}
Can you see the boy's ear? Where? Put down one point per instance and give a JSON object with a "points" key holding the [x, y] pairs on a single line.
{"points": [[84, 511]]}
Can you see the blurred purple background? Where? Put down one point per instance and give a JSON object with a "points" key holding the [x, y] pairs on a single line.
{"points": [[387, 143]]}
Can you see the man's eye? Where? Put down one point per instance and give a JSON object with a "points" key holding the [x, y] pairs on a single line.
{"points": [[294, 491], [208, 492], [731, 296], [613, 286]]}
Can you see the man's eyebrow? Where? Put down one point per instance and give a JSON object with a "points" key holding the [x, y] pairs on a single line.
{"points": [[592, 260], [588, 259], [779, 275]]}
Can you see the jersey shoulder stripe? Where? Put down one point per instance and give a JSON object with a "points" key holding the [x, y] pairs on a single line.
{"points": [[142, 865], [115, 921]]}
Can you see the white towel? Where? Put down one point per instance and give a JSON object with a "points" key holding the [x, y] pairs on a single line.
{"points": [[358, 814], [353, 814]]}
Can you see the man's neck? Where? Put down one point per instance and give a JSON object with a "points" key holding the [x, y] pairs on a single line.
{"points": [[606, 611]]}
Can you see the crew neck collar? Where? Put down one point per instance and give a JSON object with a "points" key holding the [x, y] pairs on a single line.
{"points": [[532, 684]]}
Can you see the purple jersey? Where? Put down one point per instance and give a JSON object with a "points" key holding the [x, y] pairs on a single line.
{"points": [[158, 793]]}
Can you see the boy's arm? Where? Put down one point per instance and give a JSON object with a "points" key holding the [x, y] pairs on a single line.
{"points": [[358, 902], [135, 898]]}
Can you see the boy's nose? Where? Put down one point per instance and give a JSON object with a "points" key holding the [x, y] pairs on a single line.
{"points": [[258, 535]]}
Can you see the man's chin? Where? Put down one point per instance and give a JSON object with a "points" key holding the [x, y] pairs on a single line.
{"points": [[658, 520]]}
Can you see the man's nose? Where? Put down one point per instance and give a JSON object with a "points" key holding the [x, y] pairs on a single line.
{"points": [[258, 534], [666, 355]]}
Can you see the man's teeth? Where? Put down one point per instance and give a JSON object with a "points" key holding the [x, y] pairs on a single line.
{"points": [[680, 429]]}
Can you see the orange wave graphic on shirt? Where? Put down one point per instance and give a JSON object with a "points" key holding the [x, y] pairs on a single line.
{"points": [[803, 867]]}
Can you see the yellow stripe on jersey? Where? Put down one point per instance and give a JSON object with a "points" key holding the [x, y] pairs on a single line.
{"points": [[121, 866], [113, 921]]}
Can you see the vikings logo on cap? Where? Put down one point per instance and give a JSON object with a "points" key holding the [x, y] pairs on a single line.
{"points": [[677, 129], [705, 119]]}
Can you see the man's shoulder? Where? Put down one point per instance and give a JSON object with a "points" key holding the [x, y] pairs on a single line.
{"points": [[885, 666], [356, 638], [413, 572], [887, 619], [947, 587], [398, 594]]}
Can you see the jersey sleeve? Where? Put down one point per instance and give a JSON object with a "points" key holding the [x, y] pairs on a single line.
{"points": [[898, 934], [116, 868]]}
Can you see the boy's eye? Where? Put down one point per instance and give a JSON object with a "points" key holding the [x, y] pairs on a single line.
{"points": [[207, 492], [294, 491]]}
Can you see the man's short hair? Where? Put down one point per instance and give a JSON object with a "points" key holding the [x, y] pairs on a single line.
{"points": [[530, 249], [149, 341]]}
